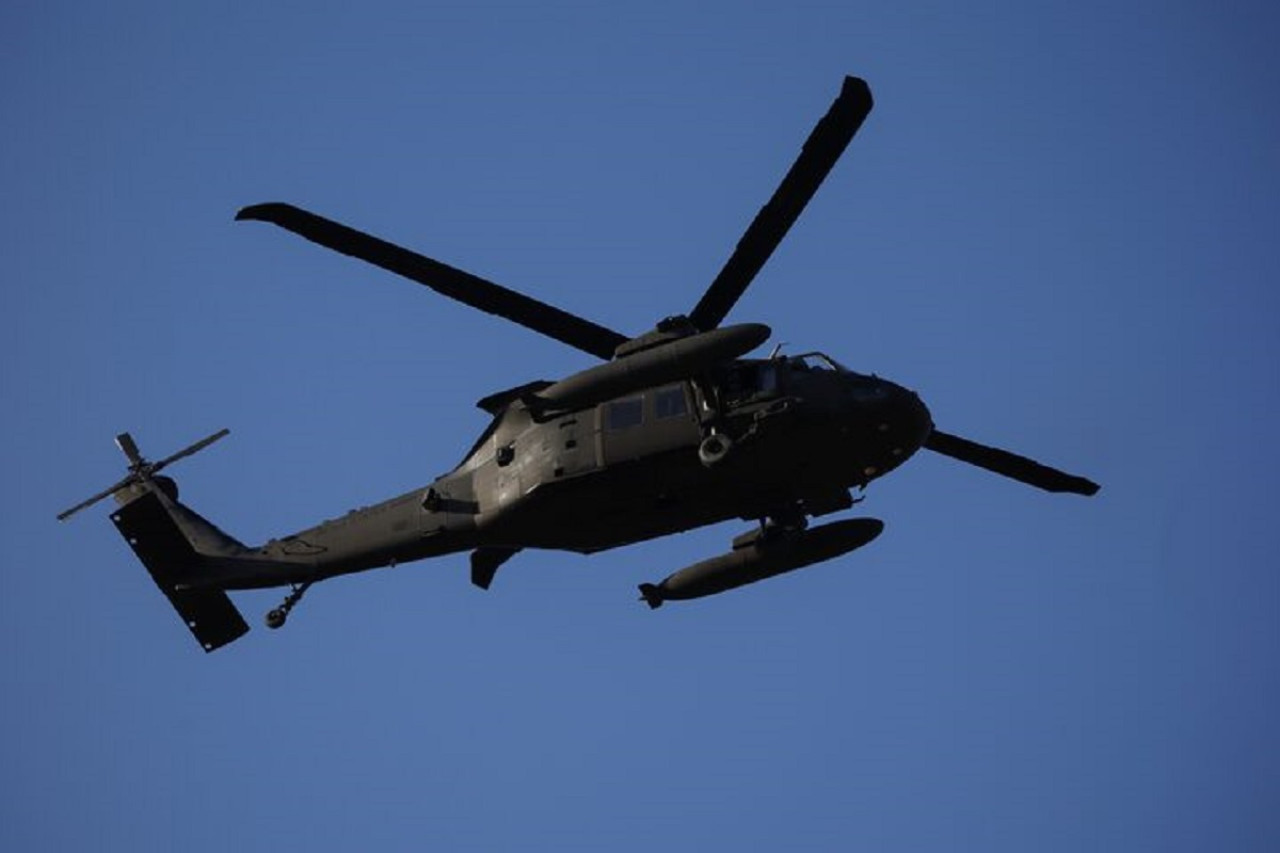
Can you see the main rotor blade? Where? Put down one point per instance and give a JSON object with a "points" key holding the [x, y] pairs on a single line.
{"points": [[1012, 465], [821, 151], [452, 282]]}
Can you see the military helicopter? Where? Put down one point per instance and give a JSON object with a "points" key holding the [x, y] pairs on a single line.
{"points": [[675, 430]]}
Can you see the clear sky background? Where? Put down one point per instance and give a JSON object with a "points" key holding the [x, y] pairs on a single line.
{"points": [[1059, 225]]}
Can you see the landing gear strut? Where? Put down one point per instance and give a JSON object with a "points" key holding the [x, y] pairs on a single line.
{"points": [[784, 520], [277, 616]]}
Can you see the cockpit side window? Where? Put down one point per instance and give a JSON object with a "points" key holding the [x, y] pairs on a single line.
{"points": [[747, 381], [669, 402]]}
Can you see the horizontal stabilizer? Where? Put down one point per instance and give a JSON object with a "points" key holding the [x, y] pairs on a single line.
{"points": [[164, 550]]}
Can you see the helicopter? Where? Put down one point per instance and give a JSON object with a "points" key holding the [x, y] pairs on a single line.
{"points": [[675, 429]]}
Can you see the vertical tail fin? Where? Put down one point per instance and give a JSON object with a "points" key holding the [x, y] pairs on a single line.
{"points": [[172, 542], [155, 537]]}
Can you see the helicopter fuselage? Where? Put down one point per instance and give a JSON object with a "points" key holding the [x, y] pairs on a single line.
{"points": [[791, 437], [673, 430]]}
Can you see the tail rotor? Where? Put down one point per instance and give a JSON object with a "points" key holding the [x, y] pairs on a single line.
{"points": [[140, 469]]}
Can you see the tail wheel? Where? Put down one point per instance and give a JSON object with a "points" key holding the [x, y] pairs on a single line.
{"points": [[277, 616]]}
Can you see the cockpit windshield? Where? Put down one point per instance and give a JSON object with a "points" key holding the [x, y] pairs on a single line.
{"points": [[816, 361]]}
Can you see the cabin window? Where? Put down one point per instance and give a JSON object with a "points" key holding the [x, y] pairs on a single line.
{"points": [[625, 413], [669, 402], [768, 379]]}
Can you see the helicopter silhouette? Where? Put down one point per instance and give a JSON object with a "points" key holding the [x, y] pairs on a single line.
{"points": [[676, 429]]}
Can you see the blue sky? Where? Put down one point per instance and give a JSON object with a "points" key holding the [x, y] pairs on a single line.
{"points": [[1059, 226]]}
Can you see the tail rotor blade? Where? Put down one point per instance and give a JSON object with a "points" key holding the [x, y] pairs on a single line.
{"points": [[1010, 465], [195, 448], [129, 448], [88, 502], [821, 151]]}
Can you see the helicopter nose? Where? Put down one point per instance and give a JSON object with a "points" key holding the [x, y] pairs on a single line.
{"points": [[896, 424], [908, 415]]}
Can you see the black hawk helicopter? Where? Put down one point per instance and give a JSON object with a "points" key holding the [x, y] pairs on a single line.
{"points": [[674, 431]]}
